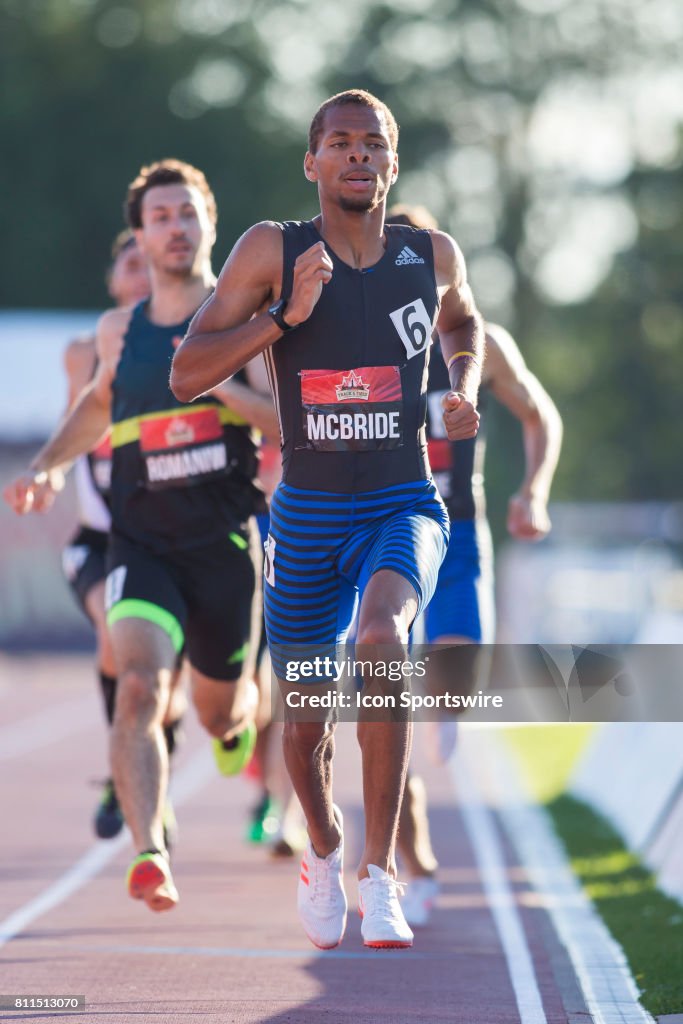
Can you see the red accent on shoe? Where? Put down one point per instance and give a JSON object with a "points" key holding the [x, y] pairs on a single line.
{"points": [[148, 882], [388, 945]]}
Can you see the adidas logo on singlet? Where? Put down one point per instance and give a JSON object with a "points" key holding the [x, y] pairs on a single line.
{"points": [[407, 256]]}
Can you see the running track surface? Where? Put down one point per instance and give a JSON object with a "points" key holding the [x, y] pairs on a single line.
{"points": [[233, 950]]}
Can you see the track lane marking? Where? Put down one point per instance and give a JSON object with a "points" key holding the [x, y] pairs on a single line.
{"points": [[598, 961], [189, 780], [490, 859], [48, 726]]}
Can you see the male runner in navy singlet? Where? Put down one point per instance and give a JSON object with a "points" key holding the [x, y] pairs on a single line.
{"points": [[183, 568], [344, 310]]}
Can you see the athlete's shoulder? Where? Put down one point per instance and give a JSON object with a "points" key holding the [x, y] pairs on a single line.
{"points": [[79, 363], [79, 354], [500, 338], [111, 330], [502, 355], [114, 321], [258, 252], [263, 237], [270, 235], [449, 262]]}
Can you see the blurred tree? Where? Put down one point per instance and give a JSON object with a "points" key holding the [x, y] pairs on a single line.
{"points": [[90, 92]]}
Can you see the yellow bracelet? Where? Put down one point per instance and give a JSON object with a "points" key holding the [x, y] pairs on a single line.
{"points": [[461, 355]]}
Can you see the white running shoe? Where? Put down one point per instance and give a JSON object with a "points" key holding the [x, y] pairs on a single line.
{"points": [[418, 901], [321, 900], [384, 926]]}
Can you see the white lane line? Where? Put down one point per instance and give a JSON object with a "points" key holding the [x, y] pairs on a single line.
{"points": [[489, 855], [600, 965], [190, 779], [48, 726], [89, 865]]}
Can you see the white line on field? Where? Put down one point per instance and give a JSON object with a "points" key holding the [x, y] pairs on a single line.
{"points": [[48, 726], [488, 853], [189, 780], [599, 963]]}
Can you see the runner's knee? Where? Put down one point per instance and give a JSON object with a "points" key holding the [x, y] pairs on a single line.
{"points": [[305, 738], [379, 631], [140, 691], [217, 719]]}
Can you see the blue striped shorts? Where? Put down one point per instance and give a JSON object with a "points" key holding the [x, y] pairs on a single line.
{"points": [[323, 548], [463, 604]]}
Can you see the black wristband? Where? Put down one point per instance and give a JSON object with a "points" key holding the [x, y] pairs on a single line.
{"points": [[276, 313]]}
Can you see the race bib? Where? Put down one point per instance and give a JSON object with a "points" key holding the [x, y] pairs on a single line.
{"points": [[414, 327], [438, 446], [358, 410], [183, 449]]}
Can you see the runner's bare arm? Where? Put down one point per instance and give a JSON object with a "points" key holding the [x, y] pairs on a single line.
{"points": [[79, 360], [83, 427], [253, 401], [461, 332], [515, 387], [79, 363], [225, 333], [91, 415], [233, 325]]}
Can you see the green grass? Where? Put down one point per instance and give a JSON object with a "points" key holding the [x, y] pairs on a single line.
{"points": [[646, 923]]}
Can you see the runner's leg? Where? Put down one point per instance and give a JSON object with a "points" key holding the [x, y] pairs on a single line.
{"points": [[145, 658], [388, 608]]}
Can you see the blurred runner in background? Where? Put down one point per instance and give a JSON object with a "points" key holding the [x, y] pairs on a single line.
{"points": [[462, 610], [183, 561]]}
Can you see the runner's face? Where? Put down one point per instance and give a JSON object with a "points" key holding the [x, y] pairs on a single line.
{"points": [[176, 234], [354, 164], [129, 278]]}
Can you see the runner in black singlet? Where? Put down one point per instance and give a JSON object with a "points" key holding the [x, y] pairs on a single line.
{"points": [[344, 310], [84, 557], [462, 610], [183, 566]]}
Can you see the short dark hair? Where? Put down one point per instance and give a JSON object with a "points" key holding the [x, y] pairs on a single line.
{"points": [[342, 99], [411, 216], [166, 172]]}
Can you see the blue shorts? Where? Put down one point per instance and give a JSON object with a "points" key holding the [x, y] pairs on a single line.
{"points": [[263, 523], [323, 548], [463, 604]]}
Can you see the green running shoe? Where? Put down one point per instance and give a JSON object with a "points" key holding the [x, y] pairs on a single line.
{"points": [[264, 821], [233, 756]]}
